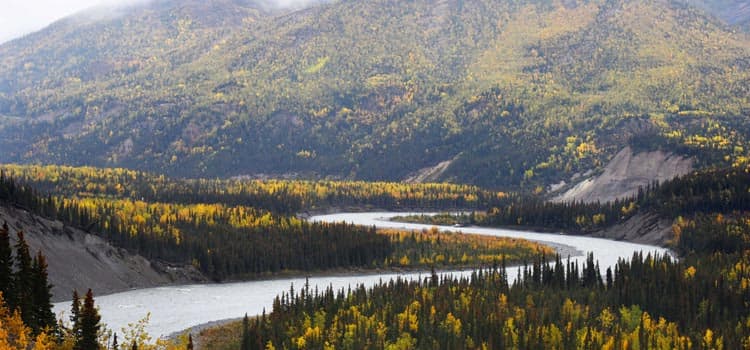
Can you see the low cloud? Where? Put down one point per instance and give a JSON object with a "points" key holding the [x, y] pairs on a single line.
{"points": [[297, 3], [21, 17], [289, 4]]}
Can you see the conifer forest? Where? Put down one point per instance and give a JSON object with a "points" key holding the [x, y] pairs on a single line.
{"points": [[474, 173]]}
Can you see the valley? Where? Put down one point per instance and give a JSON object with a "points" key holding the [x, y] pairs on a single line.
{"points": [[377, 174], [253, 297], [119, 229], [646, 217]]}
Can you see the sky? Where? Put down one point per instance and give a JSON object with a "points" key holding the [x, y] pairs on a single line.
{"points": [[20, 17]]}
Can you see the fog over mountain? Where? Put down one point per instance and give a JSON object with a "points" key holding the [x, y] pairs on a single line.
{"points": [[504, 94], [21, 17]]}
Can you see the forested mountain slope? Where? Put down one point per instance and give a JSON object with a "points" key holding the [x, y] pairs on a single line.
{"points": [[515, 93]]}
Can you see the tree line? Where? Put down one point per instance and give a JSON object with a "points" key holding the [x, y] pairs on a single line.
{"points": [[234, 241], [220, 241], [645, 302], [23, 283], [26, 317], [279, 196], [721, 190]]}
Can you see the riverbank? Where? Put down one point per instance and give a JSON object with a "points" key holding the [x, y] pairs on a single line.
{"points": [[197, 331], [175, 308], [425, 247], [80, 260], [644, 228]]}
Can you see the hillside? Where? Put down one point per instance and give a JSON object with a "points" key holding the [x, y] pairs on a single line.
{"points": [[512, 94], [645, 301], [79, 260], [625, 174]]}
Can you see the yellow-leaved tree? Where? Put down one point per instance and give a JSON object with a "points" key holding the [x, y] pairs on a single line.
{"points": [[13, 333]]}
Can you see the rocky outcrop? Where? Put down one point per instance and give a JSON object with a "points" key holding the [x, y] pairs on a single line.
{"points": [[79, 260], [625, 173], [429, 174], [646, 228]]}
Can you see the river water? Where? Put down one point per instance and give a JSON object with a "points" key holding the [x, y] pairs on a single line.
{"points": [[175, 308]]}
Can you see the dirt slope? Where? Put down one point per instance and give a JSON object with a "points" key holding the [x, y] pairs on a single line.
{"points": [[646, 228], [429, 174], [80, 260], [625, 173]]}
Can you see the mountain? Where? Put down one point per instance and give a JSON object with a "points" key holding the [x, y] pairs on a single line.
{"points": [[734, 12], [506, 94]]}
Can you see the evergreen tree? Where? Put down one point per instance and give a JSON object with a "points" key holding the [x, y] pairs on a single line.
{"points": [[246, 341], [41, 295], [190, 342], [6, 265], [75, 316], [89, 324], [22, 282], [115, 346], [135, 346]]}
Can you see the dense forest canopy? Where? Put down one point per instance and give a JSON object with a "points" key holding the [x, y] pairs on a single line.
{"points": [[239, 229], [699, 301], [278, 196], [645, 303], [723, 190], [514, 93]]}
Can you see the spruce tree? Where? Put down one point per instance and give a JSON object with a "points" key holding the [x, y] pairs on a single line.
{"points": [[22, 281], [115, 346], [190, 342], [89, 324], [42, 295], [75, 316], [6, 266], [245, 334]]}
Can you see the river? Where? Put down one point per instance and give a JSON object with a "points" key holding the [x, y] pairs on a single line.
{"points": [[175, 308]]}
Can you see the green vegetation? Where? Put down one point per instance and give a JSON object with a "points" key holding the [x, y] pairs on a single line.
{"points": [[706, 191], [519, 94], [82, 333], [25, 289], [224, 337], [645, 302], [278, 196], [26, 317], [654, 302], [239, 241], [441, 219], [431, 249], [167, 220]]}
